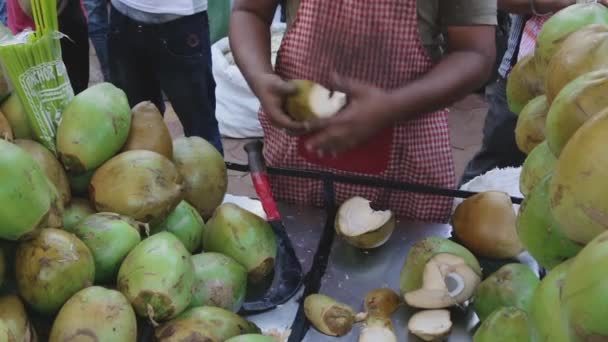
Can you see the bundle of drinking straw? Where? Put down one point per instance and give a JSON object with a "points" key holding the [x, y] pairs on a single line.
{"points": [[34, 65]]}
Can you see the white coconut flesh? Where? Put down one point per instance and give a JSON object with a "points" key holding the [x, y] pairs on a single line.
{"points": [[356, 217], [430, 325], [377, 333], [446, 281], [325, 103]]}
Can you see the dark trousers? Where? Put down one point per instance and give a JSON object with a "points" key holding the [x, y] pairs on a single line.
{"points": [[75, 47], [174, 58], [498, 145]]}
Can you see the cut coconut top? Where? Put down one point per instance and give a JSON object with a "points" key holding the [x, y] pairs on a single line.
{"points": [[356, 217], [324, 102], [430, 324]]}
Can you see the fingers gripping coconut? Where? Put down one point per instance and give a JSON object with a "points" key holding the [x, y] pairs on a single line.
{"points": [[363, 227], [486, 224], [379, 304], [329, 316], [439, 273], [313, 101]]}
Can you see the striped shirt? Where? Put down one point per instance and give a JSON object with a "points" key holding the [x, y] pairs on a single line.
{"points": [[515, 33]]}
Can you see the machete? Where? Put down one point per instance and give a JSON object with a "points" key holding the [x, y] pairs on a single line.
{"points": [[288, 275]]}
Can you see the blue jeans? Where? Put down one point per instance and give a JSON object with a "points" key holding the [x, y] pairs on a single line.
{"points": [[3, 13], [97, 13], [498, 148], [174, 57]]}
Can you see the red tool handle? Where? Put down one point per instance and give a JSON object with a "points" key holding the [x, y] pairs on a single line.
{"points": [[260, 179]]}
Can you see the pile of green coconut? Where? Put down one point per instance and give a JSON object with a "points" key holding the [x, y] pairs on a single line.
{"points": [[560, 94], [123, 227]]}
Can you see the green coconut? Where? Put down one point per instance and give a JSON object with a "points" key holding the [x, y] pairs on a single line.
{"points": [[204, 172], [511, 285], [50, 165], [14, 316], [14, 112], [546, 307], [577, 190], [29, 200], [219, 281], [251, 338], [584, 295], [507, 324], [243, 236], [6, 132], [582, 52], [538, 164], [561, 24], [76, 211], [157, 277], [95, 314], [574, 104], [538, 231], [222, 324], [94, 127], [530, 127], [185, 330], [143, 185], [51, 268], [523, 84], [187, 224], [411, 277], [79, 182], [110, 237]]}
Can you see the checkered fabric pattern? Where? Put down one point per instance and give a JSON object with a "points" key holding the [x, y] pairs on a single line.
{"points": [[377, 42], [528, 39]]}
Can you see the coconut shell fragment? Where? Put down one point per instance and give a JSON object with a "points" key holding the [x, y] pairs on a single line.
{"points": [[329, 316]]}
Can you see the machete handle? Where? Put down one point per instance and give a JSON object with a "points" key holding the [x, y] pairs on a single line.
{"points": [[259, 177]]}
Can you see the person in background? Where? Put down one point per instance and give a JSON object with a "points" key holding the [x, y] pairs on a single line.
{"points": [[401, 63], [74, 48], [499, 149], [97, 15], [3, 13], [156, 45]]}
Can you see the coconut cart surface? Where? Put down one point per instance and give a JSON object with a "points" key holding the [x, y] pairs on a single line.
{"points": [[346, 273]]}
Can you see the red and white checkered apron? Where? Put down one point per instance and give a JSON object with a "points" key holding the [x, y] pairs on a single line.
{"points": [[377, 42], [528, 38]]}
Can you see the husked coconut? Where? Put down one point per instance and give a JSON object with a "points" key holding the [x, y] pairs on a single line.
{"points": [[313, 101], [329, 316], [362, 226], [486, 223], [430, 325], [446, 281], [530, 128]]}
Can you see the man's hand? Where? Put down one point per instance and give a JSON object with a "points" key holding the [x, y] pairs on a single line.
{"points": [[368, 112], [271, 91]]}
